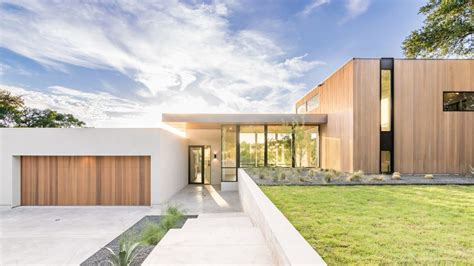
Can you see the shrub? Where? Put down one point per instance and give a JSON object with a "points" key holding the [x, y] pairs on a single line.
{"points": [[126, 254], [472, 169], [261, 176], [275, 178], [396, 176], [356, 176], [283, 176], [429, 176]]}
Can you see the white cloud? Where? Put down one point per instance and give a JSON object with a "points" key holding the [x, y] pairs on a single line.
{"points": [[186, 55], [314, 5], [355, 8]]}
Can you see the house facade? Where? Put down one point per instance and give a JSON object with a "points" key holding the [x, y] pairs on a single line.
{"points": [[376, 115], [386, 115]]}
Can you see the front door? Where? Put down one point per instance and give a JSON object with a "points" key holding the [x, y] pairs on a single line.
{"points": [[196, 164], [200, 164]]}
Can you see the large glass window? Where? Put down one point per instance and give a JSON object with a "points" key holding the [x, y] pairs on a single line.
{"points": [[313, 102], [229, 153], [301, 109], [279, 146], [252, 146], [306, 146], [458, 101], [385, 101]]}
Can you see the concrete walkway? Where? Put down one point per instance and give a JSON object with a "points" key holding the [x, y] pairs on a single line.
{"points": [[69, 235], [219, 239]]}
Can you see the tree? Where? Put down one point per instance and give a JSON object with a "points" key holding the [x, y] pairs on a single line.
{"points": [[447, 31], [14, 113], [10, 109]]}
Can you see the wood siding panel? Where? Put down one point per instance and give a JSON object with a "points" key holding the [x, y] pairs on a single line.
{"points": [[85, 180], [336, 100], [367, 115], [428, 140]]}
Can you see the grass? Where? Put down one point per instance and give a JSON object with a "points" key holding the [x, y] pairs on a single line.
{"points": [[382, 224]]}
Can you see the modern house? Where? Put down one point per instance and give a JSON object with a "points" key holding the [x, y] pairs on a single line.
{"points": [[376, 115], [386, 115]]}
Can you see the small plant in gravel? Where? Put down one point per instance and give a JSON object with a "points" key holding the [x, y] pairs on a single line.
{"points": [[328, 177], [396, 176], [261, 176], [283, 176], [429, 176], [356, 176], [472, 169], [153, 233], [275, 178], [335, 172], [378, 178], [128, 251]]}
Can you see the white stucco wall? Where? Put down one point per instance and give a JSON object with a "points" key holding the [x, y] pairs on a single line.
{"points": [[168, 154], [211, 137]]}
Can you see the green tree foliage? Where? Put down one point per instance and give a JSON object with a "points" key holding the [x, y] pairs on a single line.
{"points": [[447, 31], [14, 113]]}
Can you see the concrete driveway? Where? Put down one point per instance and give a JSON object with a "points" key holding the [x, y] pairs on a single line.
{"points": [[69, 235], [61, 235]]}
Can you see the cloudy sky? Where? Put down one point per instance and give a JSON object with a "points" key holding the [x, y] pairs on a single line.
{"points": [[123, 63]]}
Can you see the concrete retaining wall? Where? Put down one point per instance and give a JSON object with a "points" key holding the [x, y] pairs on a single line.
{"points": [[287, 245]]}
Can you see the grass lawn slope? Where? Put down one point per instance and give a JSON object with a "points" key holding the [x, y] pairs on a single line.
{"points": [[382, 224]]}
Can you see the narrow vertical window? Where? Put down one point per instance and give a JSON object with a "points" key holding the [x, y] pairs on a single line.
{"points": [[229, 153], [386, 115], [386, 100]]}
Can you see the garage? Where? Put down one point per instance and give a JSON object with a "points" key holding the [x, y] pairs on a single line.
{"points": [[85, 180]]}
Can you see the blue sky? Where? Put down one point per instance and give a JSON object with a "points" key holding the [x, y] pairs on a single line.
{"points": [[123, 63]]}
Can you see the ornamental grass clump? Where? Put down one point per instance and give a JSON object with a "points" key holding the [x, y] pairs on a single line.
{"points": [[429, 176], [356, 176], [153, 233], [378, 178], [329, 176], [396, 176]]}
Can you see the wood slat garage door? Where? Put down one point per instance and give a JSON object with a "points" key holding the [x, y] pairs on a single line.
{"points": [[85, 180]]}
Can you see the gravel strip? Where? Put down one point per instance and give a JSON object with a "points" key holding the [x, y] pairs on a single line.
{"points": [[101, 257]]}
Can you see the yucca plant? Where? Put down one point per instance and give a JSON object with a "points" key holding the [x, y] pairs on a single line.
{"points": [[128, 251]]}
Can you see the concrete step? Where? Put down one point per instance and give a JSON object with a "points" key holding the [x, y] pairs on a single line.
{"points": [[213, 223], [206, 255], [213, 237], [222, 215]]}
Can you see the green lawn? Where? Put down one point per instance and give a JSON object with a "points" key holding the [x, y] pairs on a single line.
{"points": [[382, 224]]}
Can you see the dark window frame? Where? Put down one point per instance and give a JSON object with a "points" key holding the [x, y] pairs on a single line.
{"points": [[450, 111]]}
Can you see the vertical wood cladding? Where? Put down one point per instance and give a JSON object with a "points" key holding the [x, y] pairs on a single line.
{"points": [[85, 180], [367, 115], [428, 140], [336, 100]]}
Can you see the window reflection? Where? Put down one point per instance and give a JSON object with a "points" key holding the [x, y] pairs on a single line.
{"points": [[252, 146], [279, 146], [458, 101], [385, 104]]}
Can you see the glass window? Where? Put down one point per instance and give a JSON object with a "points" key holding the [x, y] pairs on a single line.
{"points": [[385, 101], [385, 166], [458, 101], [252, 146], [229, 175], [306, 146], [301, 109], [313, 102], [229, 147], [279, 146]]}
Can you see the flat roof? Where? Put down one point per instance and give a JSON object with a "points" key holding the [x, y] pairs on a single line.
{"points": [[214, 121]]}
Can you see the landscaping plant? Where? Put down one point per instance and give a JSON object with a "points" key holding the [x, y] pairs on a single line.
{"points": [[429, 176], [126, 254], [153, 233], [356, 176], [396, 176]]}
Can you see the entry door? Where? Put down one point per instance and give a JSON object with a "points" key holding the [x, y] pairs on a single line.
{"points": [[196, 164]]}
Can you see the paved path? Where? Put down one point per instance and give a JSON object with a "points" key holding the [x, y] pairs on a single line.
{"points": [[219, 239]]}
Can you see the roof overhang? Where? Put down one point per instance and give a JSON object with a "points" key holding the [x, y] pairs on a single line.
{"points": [[215, 121]]}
